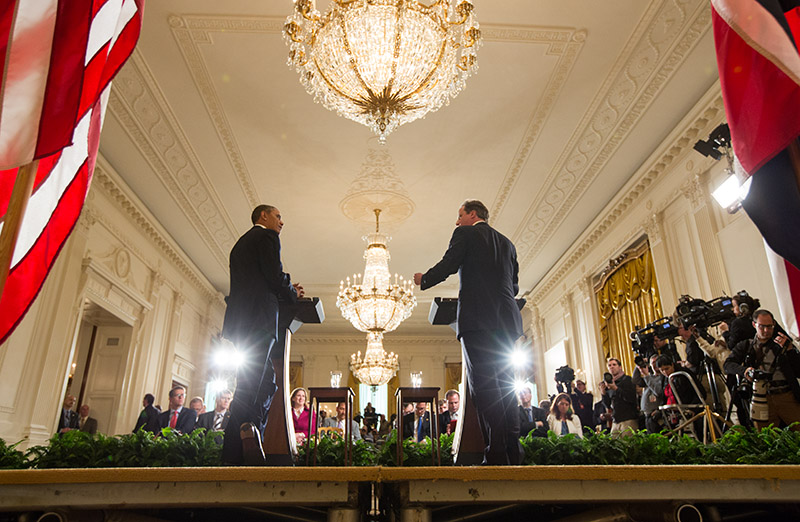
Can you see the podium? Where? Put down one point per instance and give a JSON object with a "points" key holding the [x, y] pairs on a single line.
{"points": [[468, 443], [279, 441]]}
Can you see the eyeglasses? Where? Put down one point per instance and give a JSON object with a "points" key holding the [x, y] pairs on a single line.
{"points": [[764, 326], [180, 395]]}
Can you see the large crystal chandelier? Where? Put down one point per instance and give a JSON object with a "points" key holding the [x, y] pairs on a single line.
{"points": [[383, 63], [375, 305]]}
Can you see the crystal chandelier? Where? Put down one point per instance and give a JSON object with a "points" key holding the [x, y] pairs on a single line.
{"points": [[383, 63], [375, 305]]}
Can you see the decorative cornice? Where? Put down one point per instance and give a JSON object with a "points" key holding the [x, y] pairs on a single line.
{"points": [[102, 180], [710, 113], [143, 112], [652, 227], [693, 190], [387, 341], [611, 117], [567, 44]]}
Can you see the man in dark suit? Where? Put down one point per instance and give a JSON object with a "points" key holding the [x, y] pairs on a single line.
{"points": [[217, 420], [148, 418], [488, 324], [417, 424], [258, 282], [86, 423], [177, 417], [451, 413], [68, 419], [531, 418]]}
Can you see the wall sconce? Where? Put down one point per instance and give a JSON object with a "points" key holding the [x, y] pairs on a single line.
{"points": [[416, 379]]}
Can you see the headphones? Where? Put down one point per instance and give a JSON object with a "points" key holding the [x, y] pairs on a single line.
{"points": [[744, 298]]}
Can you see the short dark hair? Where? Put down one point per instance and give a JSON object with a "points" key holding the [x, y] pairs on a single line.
{"points": [[480, 209], [176, 388], [149, 398], [762, 311], [450, 393], [664, 360], [613, 359], [256, 215]]}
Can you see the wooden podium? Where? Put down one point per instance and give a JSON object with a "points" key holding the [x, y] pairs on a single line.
{"points": [[279, 440], [468, 443]]}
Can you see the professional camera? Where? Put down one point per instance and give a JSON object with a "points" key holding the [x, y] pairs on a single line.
{"points": [[565, 374], [759, 409], [640, 361], [642, 339], [702, 314], [608, 378]]}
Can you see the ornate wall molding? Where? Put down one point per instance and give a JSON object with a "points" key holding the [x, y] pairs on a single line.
{"points": [[388, 341], [657, 51], [110, 187], [710, 113], [143, 112]]}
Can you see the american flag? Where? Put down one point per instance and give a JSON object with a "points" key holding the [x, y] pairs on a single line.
{"points": [[57, 59], [759, 69]]}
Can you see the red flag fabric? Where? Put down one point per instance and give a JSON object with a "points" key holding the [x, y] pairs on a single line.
{"points": [[57, 58], [759, 70]]}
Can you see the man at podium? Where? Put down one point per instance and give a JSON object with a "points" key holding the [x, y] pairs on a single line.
{"points": [[488, 324], [251, 324]]}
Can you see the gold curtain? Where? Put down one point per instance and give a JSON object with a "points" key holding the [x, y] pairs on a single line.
{"points": [[627, 299], [391, 389], [353, 384], [295, 375], [452, 376]]}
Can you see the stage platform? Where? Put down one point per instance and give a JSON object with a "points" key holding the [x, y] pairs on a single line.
{"points": [[378, 493]]}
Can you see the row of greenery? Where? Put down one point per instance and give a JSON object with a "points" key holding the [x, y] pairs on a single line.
{"points": [[76, 449]]}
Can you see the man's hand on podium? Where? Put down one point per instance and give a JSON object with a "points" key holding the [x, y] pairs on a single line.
{"points": [[418, 278], [299, 288]]}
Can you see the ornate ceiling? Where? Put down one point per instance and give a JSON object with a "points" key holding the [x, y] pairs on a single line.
{"points": [[207, 120]]}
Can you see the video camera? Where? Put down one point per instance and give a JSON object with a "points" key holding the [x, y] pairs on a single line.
{"points": [[702, 314], [642, 339], [565, 375]]}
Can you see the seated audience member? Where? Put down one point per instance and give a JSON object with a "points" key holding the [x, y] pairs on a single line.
{"points": [[448, 417], [384, 426], [148, 418], [197, 405], [562, 419], [176, 416], [217, 420], [68, 419], [544, 404], [85, 423], [323, 416], [393, 421], [370, 417], [531, 418], [418, 423], [301, 413], [339, 422]]}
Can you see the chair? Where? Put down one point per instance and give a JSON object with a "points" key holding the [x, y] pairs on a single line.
{"points": [[331, 431], [429, 395]]}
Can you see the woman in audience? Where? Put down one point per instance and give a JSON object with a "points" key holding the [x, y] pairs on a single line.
{"points": [[562, 419], [300, 415]]}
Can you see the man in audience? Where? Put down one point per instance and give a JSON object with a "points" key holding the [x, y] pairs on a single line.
{"points": [[582, 402], [86, 423], [531, 418], [217, 420], [452, 401], [177, 417], [772, 356], [197, 405], [68, 419], [418, 423], [148, 418], [339, 422], [620, 394]]}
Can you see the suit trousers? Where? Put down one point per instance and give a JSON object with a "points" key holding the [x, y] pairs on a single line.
{"points": [[255, 389], [487, 355]]}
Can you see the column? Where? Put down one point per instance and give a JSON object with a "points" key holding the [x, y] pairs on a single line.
{"points": [[654, 228]]}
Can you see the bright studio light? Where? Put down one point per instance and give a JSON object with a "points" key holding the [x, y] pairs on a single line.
{"points": [[218, 385], [519, 358], [228, 357], [730, 193]]}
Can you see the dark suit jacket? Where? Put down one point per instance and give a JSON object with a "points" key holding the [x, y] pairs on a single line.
{"points": [[444, 420], [206, 420], [148, 419], [408, 425], [526, 426], [68, 419], [257, 281], [487, 265], [186, 420], [90, 426]]}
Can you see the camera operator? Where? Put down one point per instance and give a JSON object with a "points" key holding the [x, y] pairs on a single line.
{"points": [[770, 354], [620, 393], [741, 327], [652, 383], [583, 402], [694, 354]]}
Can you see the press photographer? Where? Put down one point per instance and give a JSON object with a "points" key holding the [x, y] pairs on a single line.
{"points": [[772, 358], [619, 394]]}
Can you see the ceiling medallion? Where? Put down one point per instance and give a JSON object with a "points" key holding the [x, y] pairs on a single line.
{"points": [[375, 305], [383, 63]]}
